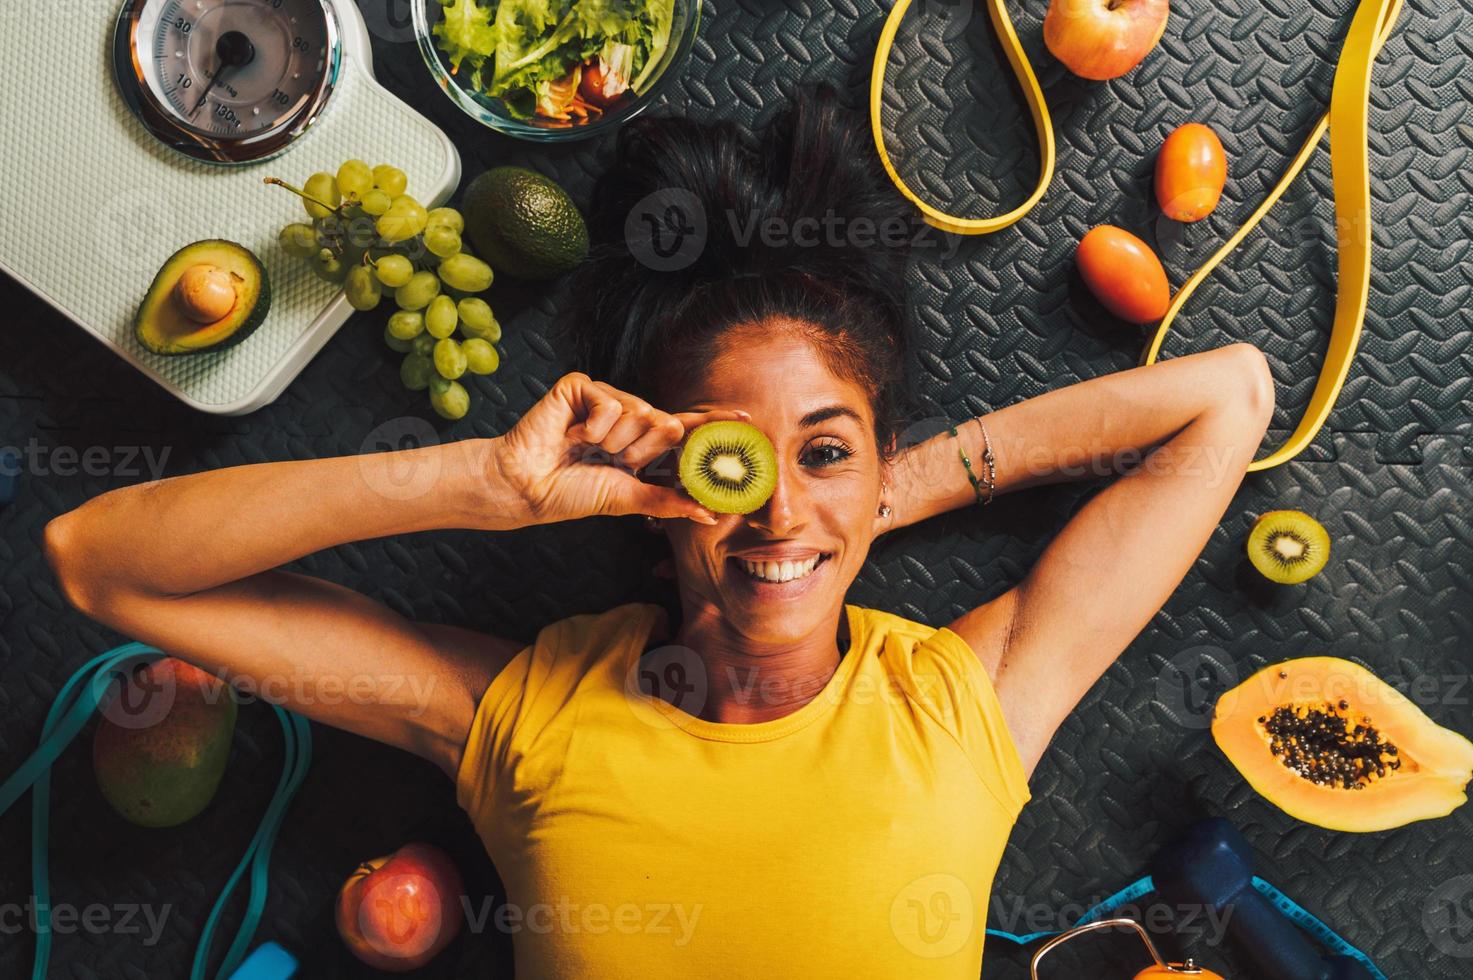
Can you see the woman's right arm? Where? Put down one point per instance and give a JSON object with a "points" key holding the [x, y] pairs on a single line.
{"points": [[191, 564]]}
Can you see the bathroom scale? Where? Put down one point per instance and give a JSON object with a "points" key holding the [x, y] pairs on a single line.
{"points": [[139, 126]]}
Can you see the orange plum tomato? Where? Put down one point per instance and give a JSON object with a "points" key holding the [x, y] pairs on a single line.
{"points": [[1190, 173], [1124, 274]]}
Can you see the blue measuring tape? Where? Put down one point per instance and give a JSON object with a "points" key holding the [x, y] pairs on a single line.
{"points": [[1134, 892], [79, 698]]}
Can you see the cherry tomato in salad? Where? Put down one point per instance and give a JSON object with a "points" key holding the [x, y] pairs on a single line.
{"points": [[601, 85], [1124, 274], [1191, 170]]}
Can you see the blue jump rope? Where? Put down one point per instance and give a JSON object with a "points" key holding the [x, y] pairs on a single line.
{"points": [[81, 696], [1212, 864]]}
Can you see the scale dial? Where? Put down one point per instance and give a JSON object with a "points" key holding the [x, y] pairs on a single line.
{"points": [[229, 81]]}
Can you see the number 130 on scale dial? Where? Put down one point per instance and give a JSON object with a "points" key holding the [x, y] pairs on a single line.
{"points": [[227, 81]]}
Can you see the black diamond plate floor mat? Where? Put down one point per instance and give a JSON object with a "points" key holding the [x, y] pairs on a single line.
{"points": [[1003, 317]]}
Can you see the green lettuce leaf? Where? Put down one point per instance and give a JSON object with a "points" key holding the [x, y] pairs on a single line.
{"points": [[659, 16], [466, 32], [525, 52]]}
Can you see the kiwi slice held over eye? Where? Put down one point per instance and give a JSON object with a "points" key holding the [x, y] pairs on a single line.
{"points": [[729, 467], [1288, 546]]}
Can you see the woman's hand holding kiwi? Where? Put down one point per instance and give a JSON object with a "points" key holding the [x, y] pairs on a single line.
{"points": [[576, 452]]}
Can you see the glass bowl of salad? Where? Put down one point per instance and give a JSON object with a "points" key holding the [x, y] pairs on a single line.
{"points": [[551, 70]]}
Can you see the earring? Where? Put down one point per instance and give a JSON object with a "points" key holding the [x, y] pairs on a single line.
{"points": [[885, 508], [652, 523]]}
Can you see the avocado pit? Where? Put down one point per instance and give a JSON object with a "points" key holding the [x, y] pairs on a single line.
{"points": [[205, 293]]}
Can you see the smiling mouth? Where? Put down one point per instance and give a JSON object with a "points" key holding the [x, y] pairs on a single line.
{"points": [[780, 571]]}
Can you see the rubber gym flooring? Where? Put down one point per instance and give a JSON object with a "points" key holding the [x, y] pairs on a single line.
{"points": [[1003, 317]]}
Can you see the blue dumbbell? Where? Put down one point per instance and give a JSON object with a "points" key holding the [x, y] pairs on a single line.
{"points": [[1212, 867]]}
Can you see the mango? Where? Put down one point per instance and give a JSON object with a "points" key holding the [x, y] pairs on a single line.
{"points": [[162, 743]]}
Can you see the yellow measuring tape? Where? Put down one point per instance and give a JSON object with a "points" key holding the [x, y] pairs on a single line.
{"points": [[1347, 122]]}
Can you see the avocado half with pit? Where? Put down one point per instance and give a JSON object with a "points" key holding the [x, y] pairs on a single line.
{"points": [[209, 295]]}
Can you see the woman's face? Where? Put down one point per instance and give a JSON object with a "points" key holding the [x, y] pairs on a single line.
{"points": [[816, 529]]}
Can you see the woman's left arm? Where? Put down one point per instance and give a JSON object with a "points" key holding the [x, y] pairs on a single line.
{"points": [[1181, 433]]}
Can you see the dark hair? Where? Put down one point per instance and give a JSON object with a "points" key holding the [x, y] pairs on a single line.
{"points": [[646, 321]]}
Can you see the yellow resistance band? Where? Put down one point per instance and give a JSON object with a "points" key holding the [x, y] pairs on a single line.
{"points": [[1347, 121]]}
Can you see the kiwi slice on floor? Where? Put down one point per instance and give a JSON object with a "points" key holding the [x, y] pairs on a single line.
{"points": [[729, 467], [1288, 546]]}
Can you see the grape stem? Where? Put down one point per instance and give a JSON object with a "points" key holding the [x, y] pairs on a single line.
{"points": [[303, 194]]}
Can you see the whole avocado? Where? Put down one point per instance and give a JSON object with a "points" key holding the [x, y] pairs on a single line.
{"points": [[523, 224]]}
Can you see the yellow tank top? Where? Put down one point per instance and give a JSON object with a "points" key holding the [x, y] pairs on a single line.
{"points": [[855, 837]]}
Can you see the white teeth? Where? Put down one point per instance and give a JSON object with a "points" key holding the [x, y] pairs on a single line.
{"points": [[773, 571]]}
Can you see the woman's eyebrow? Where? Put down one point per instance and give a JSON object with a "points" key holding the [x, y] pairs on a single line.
{"points": [[821, 415]]}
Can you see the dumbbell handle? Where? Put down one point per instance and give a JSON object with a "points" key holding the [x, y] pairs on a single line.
{"points": [[1212, 868]]}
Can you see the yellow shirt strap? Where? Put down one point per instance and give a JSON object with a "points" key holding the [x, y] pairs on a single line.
{"points": [[1350, 168], [1013, 48]]}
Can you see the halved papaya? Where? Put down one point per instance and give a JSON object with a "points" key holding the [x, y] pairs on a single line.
{"points": [[1331, 744]]}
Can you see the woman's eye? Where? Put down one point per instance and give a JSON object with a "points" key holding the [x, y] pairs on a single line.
{"points": [[826, 454]]}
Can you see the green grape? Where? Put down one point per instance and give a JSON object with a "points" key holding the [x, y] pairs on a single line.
{"points": [[327, 266], [451, 401], [396, 225], [442, 240], [424, 345], [440, 317], [324, 187], [466, 273], [393, 270], [415, 210], [329, 229], [376, 202], [406, 324], [355, 179], [476, 319], [299, 240], [389, 179], [397, 345], [449, 359], [418, 291], [416, 372], [480, 356], [361, 288], [449, 217]]}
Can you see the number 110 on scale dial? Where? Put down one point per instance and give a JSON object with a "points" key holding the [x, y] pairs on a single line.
{"points": [[229, 81]]}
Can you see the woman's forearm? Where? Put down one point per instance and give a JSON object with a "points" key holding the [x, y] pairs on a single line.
{"points": [[1096, 428], [190, 533]]}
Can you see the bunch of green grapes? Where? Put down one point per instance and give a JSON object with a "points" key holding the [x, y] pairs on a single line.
{"points": [[369, 235]]}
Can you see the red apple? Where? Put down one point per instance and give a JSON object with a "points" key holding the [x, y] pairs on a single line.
{"points": [[397, 912], [1102, 39]]}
